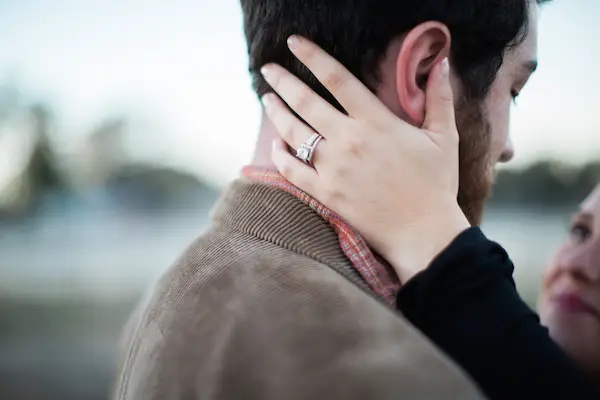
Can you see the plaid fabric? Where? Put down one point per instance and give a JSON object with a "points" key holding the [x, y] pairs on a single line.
{"points": [[376, 272]]}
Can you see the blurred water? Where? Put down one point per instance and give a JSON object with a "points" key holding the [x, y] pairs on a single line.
{"points": [[68, 282], [103, 255], [530, 236], [109, 255]]}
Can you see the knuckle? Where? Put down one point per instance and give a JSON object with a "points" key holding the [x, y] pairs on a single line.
{"points": [[333, 187], [310, 54], [303, 103], [447, 99], [334, 81], [287, 132], [339, 174], [331, 196], [326, 198], [353, 145]]}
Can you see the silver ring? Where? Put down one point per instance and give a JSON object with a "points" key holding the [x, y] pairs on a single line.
{"points": [[307, 149]]}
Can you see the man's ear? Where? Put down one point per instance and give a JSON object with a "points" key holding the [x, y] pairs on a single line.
{"points": [[422, 48]]}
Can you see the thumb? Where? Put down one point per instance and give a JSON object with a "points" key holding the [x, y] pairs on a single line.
{"points": [[439, 112]]}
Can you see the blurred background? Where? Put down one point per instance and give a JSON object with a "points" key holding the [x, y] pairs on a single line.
{"points": [[121, 121]]}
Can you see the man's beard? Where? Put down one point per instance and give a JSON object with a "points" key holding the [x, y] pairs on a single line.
{"points": [[475, 169]]}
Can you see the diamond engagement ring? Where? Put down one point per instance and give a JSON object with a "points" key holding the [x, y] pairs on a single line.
{"points": [[307, 149]]}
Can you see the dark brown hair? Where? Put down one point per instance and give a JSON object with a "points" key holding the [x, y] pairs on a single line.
{"points": [[358, 33]]}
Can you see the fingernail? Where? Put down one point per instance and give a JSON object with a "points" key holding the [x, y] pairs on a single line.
{"points": [[293, 42], [445, 67], [265, 71], [274, 145]]}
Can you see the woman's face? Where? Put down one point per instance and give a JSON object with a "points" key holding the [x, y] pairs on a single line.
{"points": [[570, 299]]}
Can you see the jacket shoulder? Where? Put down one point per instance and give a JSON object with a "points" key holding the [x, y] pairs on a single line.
{"points": [[240, 318]]}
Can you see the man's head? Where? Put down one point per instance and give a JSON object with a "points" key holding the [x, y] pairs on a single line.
{"points": [[392, 45]]}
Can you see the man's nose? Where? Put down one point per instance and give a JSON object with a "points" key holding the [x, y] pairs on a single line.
{"points": [[508, 153]]}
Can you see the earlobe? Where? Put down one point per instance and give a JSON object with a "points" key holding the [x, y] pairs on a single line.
{"points": [[422, 48]]}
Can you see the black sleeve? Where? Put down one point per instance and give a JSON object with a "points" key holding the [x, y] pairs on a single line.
{"points": [[467, 303]]}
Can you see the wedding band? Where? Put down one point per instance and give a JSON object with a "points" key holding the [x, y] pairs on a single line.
{"points": [[307, 149]]}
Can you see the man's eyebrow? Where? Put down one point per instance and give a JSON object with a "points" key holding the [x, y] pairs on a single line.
{"points": [[584, 216], [588, 215]]}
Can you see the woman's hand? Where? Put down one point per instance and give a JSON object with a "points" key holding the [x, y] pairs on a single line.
{"points": [[395, 183]]}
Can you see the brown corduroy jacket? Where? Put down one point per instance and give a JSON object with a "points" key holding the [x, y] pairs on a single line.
{"points": [[266, 306]]}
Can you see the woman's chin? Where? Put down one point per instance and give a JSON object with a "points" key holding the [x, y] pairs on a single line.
{"points": [[578, 334]]}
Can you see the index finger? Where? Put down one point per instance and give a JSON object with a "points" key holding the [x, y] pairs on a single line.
{"points": [[350, 92]]}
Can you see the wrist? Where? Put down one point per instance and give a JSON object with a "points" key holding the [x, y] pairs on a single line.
{"points": [[414, 246]]}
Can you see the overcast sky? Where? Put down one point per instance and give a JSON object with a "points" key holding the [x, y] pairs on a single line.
{"points": [[183, 65]]}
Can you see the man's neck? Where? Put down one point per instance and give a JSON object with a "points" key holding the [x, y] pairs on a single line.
{"points": [[267, 133]]}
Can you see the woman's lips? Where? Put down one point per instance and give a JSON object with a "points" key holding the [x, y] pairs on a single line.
{"points": [[574, 304]]}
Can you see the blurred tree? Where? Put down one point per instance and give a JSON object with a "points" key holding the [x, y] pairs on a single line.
{"points": [[40, 172], [43, 171], [546, 183], [152, 187], [587, 179], [103, 152]]}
